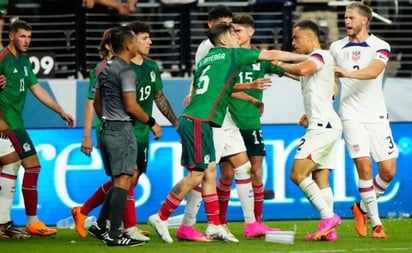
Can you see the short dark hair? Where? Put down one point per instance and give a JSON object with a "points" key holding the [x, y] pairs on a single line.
{"points": [[139, 27], [218, 30], [20, 24], [219, 11], [308, 25], [120, 36], [243, 19]]}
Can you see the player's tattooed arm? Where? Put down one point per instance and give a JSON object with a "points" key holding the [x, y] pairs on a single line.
{"points": [[165, 108]]}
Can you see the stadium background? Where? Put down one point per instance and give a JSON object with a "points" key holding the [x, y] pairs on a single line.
{"points": [[64, 50]]}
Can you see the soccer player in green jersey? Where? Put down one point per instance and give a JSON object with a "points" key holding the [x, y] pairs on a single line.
{"points": [[9, 168], [247, 119], [16, 66], [214, 81], [148, 89]]}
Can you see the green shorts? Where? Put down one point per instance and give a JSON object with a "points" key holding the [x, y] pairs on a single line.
{"points": [[119, 148], [22, 143], [253, 139], [197, 144]]}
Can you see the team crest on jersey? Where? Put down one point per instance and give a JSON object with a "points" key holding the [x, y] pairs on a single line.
{"points": [[152, 76], [15, 71], [356, 55], [256, 66], [206, 159], [26, 147]]}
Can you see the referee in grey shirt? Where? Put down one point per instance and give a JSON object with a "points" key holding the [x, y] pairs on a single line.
{"points": [[115, 103]]}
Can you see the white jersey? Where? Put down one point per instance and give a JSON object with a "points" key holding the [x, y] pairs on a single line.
{"points": [[361, 100], [202, 50], [317, 93]]}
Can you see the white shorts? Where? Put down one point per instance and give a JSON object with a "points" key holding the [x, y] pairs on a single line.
{"points": [[228, 141], [6, 147], [366, 139], [321, 146]]}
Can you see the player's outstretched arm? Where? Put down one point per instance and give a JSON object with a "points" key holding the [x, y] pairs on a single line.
{"points": [[43, 96]]}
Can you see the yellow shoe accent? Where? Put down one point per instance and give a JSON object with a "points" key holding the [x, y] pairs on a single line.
{"points": [[38, 228], [79, 220]]}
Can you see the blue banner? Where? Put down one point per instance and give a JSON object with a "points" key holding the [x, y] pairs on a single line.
{"points": [[68, 177]]}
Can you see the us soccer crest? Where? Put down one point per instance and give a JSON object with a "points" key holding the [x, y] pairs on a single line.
{"points": [[356, 55]]}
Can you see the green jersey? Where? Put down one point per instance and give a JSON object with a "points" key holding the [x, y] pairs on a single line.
{"points": [[214, 80], [245, 114], [19, 76], [92, 87], [148, 85]]}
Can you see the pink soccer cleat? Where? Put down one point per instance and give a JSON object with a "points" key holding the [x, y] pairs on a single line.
{"points": [[189, 233], [255, 229], [326, 225], [331, 236]]}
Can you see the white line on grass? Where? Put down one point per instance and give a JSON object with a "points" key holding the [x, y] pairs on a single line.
{"points": [[388, 249]]}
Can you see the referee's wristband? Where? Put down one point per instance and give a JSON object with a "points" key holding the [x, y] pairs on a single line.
{"points": [[151, 121]]}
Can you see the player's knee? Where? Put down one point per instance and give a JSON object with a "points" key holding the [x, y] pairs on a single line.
{"points": [[243, 171]]}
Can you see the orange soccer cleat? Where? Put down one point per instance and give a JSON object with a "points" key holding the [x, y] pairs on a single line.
{"points": [[360, 220], [38, 228]]}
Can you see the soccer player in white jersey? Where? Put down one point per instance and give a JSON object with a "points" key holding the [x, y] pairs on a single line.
{"points": [[361, 58], [318, 147]]}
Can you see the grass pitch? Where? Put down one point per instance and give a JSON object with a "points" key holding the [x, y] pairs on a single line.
{"points": [[66, 241]]}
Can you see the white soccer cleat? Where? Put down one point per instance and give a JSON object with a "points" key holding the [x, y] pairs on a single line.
{"points": [[160, 227], [134, 233], [220, 233]]}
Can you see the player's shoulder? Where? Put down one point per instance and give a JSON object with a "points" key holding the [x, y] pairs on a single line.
{"points": [[338, 44], [151, 62], [378, 42]]}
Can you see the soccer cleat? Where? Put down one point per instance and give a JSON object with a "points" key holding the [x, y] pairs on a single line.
{"points": [[219, 232], [189, 233], [38, 228], [122, 240], [135, 234], [325, 226], [268, 229], [9, 230], [79, 220], [331, 236], [97, 232], [253, 230], [360, 220], [232, 237], [143, 232], [378, 232], [160, 227]]}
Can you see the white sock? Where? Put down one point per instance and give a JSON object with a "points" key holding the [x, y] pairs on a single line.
{"points": [[312, 192], [193, 201], [368, 197], [380, 187], [245, 191], [327, 195], [8, 178]]}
